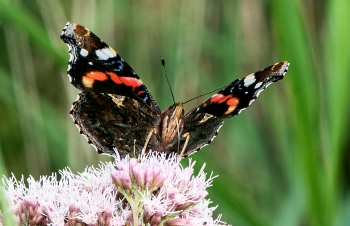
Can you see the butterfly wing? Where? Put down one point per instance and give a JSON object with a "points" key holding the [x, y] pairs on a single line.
{"points": [[95, 66], [203, 122], [112, 122]]}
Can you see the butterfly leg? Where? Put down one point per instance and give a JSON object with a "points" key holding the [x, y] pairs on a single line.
{"points": [[147, 140], [187, 135], [134, 147]]}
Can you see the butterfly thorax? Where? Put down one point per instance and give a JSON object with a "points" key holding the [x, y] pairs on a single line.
{"points": [[171, 122]]}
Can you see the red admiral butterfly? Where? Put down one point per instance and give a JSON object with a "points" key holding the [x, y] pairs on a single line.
{"points": [[116, 112]]}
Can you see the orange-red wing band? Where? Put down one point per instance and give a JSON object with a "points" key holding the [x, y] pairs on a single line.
{"points": [[219, 98], [230, 100], [128, 81], [97, 75]]}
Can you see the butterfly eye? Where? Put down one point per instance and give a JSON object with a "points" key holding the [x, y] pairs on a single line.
{"points": [[107, 139]]}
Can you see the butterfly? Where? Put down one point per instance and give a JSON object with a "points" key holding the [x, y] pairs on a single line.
{"points": [[118, 115]]}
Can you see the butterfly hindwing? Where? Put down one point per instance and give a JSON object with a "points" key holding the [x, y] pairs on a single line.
{"points": [[202, 129], [112, 122]]}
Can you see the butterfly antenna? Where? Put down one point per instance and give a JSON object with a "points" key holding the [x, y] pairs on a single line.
{"points": [[204, 94], [166, 75]]}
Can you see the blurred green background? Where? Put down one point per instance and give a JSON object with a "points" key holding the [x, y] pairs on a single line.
{"points": [[284, 161]]}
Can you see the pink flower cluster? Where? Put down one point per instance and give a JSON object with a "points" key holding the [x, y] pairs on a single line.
{"points": [[151, 190]]}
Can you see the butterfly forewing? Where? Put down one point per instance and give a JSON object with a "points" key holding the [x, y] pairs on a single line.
{"points": [[204, 122], [93, 65], [238, 95]]}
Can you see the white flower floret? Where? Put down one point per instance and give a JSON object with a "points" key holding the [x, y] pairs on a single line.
{"points": [[153, 189]]}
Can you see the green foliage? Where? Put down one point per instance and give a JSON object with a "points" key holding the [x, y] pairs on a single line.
{"points": [[284, 161]]}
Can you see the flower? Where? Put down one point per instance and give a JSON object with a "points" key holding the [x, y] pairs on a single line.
{"points": [[151, 190]]}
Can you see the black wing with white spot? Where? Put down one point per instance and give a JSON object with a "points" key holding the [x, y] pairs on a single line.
{"points": [[95, 66], [204, 122], [238, 95]]}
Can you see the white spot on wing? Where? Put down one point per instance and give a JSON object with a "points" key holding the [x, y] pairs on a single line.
{"points": [[239, 112], [71, 57], [69, 47], [105, 54], [203, 146], [109, 52], [118, 99], [101, 55], [257, 85], [205, 118], [250, 79], [216, 133], [70, 78], [258, 92], [267, 85], [84, 52]]}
